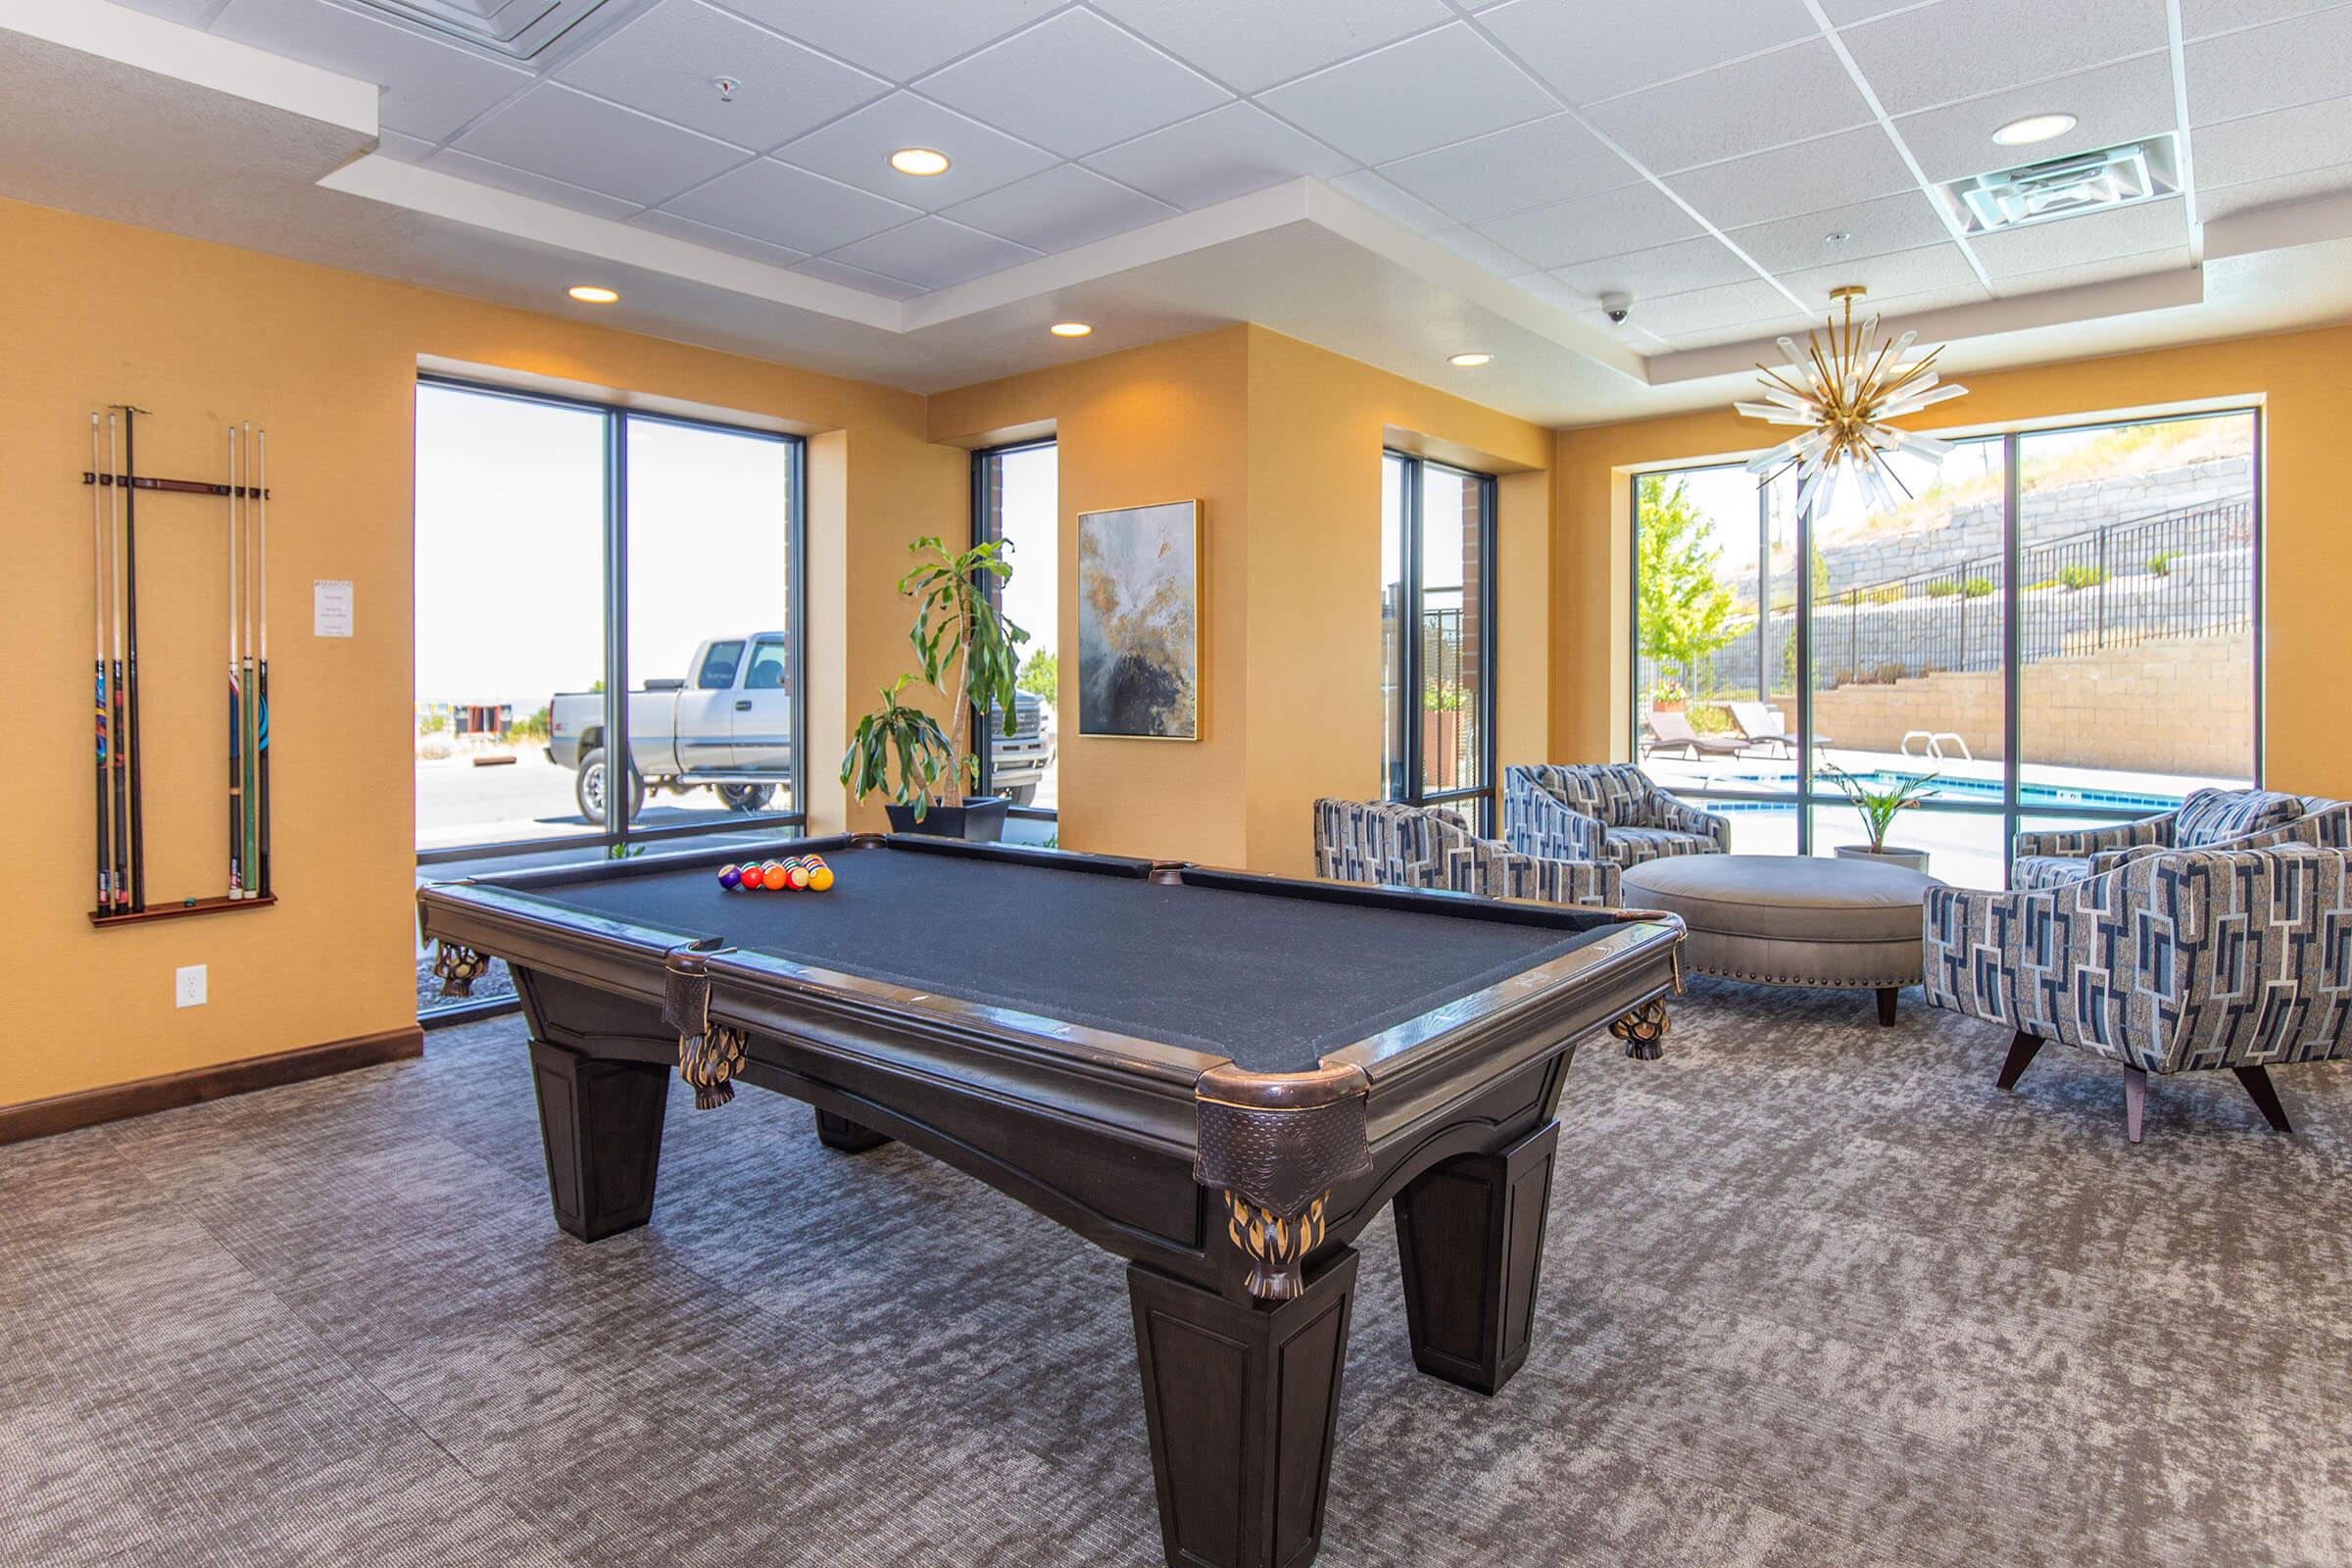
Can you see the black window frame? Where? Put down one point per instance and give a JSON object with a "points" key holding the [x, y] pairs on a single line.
{"points": [[1412, 789], [985, 523], [618, 841], [1805, 799]]}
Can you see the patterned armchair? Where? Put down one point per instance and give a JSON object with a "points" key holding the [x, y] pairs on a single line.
{"points": [[1415, 847], [2166, 959], [1608, 812], [2206, 819]]}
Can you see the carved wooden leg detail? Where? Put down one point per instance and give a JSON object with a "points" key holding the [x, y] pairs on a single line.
{"points": [[2021, 1056], [1644, 1030], [1470, 1237], [1241, 1401], [601, 1122]]}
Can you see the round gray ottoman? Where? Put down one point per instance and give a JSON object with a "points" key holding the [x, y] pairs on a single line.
{"points": [[1791, 920]]}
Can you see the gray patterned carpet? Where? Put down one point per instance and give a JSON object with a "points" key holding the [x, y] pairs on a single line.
{"points": [[1815, 1294]]}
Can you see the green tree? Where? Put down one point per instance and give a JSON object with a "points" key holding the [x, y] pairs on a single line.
{"points": [[1686, 610], [1040, 676]]}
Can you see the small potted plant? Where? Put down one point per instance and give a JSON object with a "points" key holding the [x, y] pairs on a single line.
{"points": [[1668, 696], [1879, 809], [971, 654]]}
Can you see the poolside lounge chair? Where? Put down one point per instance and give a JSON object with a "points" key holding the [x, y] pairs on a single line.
{"points": [[1764, 726], [1671, 732]]}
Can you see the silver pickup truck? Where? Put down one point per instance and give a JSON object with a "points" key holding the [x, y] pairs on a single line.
{"points": [[729, 725]]}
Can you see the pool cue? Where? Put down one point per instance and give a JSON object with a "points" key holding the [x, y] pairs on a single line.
{"points": [[115, 702], [131, 659], [105, 885], [261, 692], [236, 721]]}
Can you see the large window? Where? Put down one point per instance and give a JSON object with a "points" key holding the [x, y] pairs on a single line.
{"points": [[2060, 626], [568, 553], [1438, 637], [1017, 498]]}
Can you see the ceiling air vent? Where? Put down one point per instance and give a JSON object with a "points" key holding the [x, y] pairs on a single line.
{"points": [[2065, 187], [518, 29]]}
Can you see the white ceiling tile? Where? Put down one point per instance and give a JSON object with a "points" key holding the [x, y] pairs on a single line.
{"points": [[1250, 44], [2117, 103], [719, 239], [523, 182], [430, 88], [935, 253], [2201, 17], [856, 150], [664, 64], [1961, 48], [2228, 201], [886, 38], [187, 12], [2106, 269], [1844, 12], [1472, 246], [1591, 52], [2070, 241], [1387, 200], [1440, 87], [408, 149], [1703, 309], [584, 141], [789, 207], [1887, 277], [1788, 95], [1811, 176], [1678, 268], [2278, 67], [1074, 83], [1552, 291], [1896, 309], [857, 277], [1881, 226], [1227, 152], [1636, 218], [2265, 146], [1541, 161], [1064, 207]]}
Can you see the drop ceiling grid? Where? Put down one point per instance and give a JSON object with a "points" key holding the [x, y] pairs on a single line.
{"points": [[1514, 88]]}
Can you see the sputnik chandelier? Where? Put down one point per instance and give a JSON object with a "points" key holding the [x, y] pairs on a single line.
{"points": [[1843, 390]]}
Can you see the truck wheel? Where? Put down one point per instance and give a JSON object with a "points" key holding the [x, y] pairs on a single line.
{"points": [[1023, 793], [746, 797], [589, 789]]}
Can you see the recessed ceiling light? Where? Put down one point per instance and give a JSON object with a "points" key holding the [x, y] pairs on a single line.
{"points": [[2032, 128], [593, 294], [1838, 236], [918, 161], [1469, 360], [1069, 329]]}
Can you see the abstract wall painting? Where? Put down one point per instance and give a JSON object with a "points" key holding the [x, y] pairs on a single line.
{"points": [[1139, 621]]}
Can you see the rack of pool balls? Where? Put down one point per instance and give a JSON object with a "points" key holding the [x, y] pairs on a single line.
{"points": [[802, 873]]}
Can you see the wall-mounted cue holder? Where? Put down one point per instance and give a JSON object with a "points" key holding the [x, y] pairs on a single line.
{"points": [[116, 487]]}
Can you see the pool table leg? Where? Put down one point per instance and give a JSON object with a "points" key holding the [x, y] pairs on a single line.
{"points": [[1470, 1236], [1241, 1401], [601, 1122], [838, 1132]]}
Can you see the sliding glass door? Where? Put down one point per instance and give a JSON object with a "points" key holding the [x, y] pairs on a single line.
{"points": [[2059, 626], [1438, 637]]}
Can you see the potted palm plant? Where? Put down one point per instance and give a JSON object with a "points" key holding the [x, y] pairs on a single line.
{"points": [[970, 653], [1879, 809]]}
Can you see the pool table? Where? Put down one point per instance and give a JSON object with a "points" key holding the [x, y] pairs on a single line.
{"points": [[1218, 1076]]}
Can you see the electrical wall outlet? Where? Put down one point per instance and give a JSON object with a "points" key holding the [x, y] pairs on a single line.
{"points": [[187, 989]]}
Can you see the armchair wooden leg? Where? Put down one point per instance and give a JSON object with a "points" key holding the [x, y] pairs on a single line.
{"points": [[1888, 995], [2266, 1098], [2135, 1099], [2021, 1056]]}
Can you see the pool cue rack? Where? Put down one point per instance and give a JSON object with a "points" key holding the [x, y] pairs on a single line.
{"points": [[115, 488]]}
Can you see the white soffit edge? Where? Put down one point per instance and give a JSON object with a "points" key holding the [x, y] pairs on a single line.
{"points": [[165, 48]]}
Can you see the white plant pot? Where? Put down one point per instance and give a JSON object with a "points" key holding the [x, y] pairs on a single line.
{"points": [[1909, 859]]}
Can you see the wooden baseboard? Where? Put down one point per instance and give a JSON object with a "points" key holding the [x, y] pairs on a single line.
{"points": [[40, 1119]]}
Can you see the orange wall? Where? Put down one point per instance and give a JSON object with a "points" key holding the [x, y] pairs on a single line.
{"points": [[202, 334], [1281, 443], [2307, 398]]}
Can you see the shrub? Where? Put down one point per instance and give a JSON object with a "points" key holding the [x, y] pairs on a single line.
{"points": [[1977, 587], [1710, 719], [2073, 578], [2161, 563], [1891, 593]]}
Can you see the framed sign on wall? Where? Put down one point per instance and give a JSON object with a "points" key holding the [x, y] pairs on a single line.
{"points": [[1139, 623]]}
